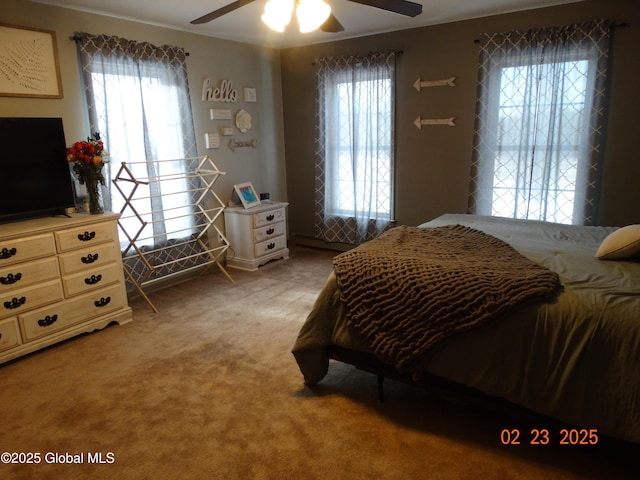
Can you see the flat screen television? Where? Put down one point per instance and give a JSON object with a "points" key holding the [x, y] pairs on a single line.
{"points": [[35, 178]]}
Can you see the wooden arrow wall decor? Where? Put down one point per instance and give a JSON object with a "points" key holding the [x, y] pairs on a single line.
{"points": [[418, 122], [233, 144], [419, 84]]}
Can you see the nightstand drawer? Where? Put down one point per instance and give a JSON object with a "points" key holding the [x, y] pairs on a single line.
{"points": [[270, 231], [23, 299], [87, 258], [270, 246], [19, 250], [9, 337], [38, 323], [25, 274], [266, 218], [86, 281], [84, 236]]}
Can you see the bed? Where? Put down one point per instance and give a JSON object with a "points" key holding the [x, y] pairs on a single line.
{"points": [[571, 352]]}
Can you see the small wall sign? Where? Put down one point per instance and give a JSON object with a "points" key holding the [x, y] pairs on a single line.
{"points": [[212, 140], [220, 114], [249, 94], [224, 93]]}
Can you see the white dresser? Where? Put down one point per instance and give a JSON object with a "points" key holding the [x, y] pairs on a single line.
{"points": [[256, 235], [59, 277]]}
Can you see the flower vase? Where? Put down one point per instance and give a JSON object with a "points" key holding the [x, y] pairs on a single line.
{"points": [[95, 198]]}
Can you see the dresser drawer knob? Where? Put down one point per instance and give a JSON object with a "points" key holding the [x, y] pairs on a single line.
{"points": [[90, 258], [93, 279], [270, 231], [48, 320], [7, 253], [11, 278], [271, 246], [271, 217], [86, 236], [15, 303], [103, 302]]}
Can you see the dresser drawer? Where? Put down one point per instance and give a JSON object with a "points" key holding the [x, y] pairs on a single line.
{"points": [[265, 233], [87, 258], [91, 279], [266, 218], [270, 246], [18, 301], [25, 274], [9, 337], [44, 321], [84, 236], [19, 250]]}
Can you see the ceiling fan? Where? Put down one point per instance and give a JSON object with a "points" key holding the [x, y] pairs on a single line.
{"points": [[332, 24]]}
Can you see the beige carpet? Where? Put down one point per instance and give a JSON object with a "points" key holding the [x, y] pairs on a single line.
{"points": [[208, 389]]}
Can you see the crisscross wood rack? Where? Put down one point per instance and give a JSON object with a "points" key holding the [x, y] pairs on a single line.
{"points": [[208, 242]]}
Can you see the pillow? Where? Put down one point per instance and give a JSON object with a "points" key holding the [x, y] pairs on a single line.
{"points": [[623, 243]]}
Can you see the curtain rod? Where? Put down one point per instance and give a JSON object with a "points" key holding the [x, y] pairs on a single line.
{"points": [[396, 52], [76, 39], [614, 25]]}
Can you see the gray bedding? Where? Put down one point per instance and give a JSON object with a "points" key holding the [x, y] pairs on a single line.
{"points": [[575, 358]]}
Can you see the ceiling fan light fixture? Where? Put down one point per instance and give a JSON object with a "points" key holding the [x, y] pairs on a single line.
{"points": [[277, 14], [311, 14]]}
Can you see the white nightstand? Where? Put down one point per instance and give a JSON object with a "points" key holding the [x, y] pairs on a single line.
{"points": [[256, 235]]}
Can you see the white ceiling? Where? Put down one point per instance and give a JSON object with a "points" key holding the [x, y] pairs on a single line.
{"points": [[244, 24]]}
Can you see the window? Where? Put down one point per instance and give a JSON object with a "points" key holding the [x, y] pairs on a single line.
{"points": [[539, 117], [355, 163], [126, 127], [350, 185], [543, 186], [138, 100]]}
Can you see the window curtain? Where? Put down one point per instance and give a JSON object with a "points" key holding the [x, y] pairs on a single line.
{"points": [[137, 98], [540, 115], [354, 147]]}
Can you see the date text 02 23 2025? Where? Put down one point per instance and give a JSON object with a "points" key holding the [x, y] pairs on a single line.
{"points": [[542, 436]]}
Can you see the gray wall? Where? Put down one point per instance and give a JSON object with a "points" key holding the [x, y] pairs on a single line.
{"points": [[244, 65], [432, 165]]}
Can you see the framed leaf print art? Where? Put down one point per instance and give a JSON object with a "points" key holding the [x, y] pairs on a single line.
{"points": [[29, 63]]}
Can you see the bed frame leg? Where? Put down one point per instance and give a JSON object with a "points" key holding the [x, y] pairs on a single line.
{"points": [[380, 388]]}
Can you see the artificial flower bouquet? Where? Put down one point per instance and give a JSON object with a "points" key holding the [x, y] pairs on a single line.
{"points": [[88, 158]]}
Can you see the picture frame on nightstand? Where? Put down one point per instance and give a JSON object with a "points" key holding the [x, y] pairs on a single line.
{"points": [[247, 194]]}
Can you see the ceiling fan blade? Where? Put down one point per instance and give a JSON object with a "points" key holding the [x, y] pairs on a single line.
{"points": [[332, 25], [221, 11], [403, 7]]}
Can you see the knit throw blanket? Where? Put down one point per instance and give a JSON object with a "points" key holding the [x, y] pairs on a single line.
{"points": [[413, 287]]}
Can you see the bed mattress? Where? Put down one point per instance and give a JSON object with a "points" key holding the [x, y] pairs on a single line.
{"points": [[575, 358]]}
